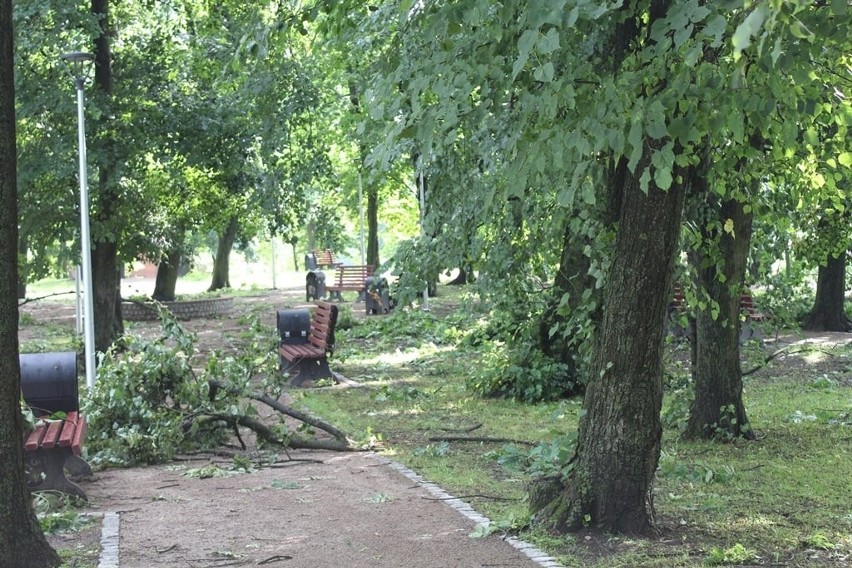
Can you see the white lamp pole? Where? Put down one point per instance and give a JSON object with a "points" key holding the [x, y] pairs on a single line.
{"points": [[78, 59]]}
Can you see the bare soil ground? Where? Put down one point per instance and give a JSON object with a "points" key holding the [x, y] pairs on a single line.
{"points": [[349, 509]]}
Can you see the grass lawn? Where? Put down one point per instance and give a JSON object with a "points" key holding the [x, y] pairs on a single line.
{"points": [[784, 499]]}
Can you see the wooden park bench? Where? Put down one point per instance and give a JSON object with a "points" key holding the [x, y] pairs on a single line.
{"points": [[349, 278], [52, 447], [309, 361], [49, 388], [325, 258]]}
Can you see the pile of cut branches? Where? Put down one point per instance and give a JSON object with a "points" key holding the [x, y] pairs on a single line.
{"points": [[154, 400]]}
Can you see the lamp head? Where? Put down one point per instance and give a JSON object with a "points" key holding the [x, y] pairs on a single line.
{"points": [[78, 56], [76, 61]]}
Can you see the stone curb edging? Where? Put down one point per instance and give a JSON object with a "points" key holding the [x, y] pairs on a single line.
{"points": [[183, 310], [109, 541], [534, 554]]}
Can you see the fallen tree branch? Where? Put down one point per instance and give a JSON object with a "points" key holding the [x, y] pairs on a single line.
{"points": [[479, 439], [28, 300], [280, 407], [463, 430], [782, 351], [473, 496], [267, 434]]}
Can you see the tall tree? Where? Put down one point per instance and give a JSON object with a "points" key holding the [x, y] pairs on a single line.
{"points": [[106, 267], [827, 313], [22, 543]]}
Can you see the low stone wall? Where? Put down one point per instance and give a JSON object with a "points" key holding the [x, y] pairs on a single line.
{"points": [[184, 310]]}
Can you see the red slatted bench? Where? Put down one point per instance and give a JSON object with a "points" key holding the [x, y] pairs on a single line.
{"points": [[349, 278], [325, 258], [309, 361], [51, 448]]}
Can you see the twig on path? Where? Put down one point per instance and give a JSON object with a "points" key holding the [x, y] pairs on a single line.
{"points": [[276, 558], [167, 486], [164, 550], [479, 439]]}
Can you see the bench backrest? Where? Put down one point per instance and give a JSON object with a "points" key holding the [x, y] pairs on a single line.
{"points": [[325, 258], [348, 275], [321, 334]]}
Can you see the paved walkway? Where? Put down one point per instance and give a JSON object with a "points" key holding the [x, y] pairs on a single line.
{"points": [[355, 510]]}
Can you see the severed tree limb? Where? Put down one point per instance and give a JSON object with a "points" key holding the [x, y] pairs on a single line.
{"points": [[782, 351], [479, 439], [268, 435], [282, 408]]}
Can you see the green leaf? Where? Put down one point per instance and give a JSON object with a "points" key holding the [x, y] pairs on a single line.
{"points": [[544, 73], [525, 47], [839, 7], [845, 159], [657, 121], [634, 138], [549, 42], [749, 28], [715, 28]]}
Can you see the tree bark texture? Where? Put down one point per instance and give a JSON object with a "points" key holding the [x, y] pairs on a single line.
{"points": [[22, 543], [718, 408], [373, 226], [167, 276], [618, 446], [106, 268], [828, 313], [221, 264]]}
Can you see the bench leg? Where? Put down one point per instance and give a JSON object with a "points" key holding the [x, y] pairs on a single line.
{"points": [[78, 468], [307, 370], [46, 471]]}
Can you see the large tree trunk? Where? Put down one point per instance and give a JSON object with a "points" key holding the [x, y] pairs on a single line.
{"points": [[106, 273], [22, 543], [167, 276], [618, 445], [373, 226], [828, 313], [22, 255], [718, 407], [221, 264]]}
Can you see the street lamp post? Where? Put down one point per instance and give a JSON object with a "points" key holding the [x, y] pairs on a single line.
{"points": [[77, 60]]}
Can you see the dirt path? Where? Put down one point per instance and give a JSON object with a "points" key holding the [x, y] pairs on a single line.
{"points": [[351, 510]]}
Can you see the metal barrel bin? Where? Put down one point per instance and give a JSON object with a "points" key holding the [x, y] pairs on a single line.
{"points": [[314, 285], [49, 381]]}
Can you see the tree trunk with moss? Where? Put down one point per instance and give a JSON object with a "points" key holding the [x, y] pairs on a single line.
{"points": [[718, 408], [221, 263], [167, 276], [609, 486], [22, 543], [828, 313]]}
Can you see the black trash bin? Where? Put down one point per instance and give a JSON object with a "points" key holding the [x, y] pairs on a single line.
{"points": [[293, 326], [49, 381], [314, 285]]}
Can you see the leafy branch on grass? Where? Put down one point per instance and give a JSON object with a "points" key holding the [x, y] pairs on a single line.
{"points": [[783, 351]]}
